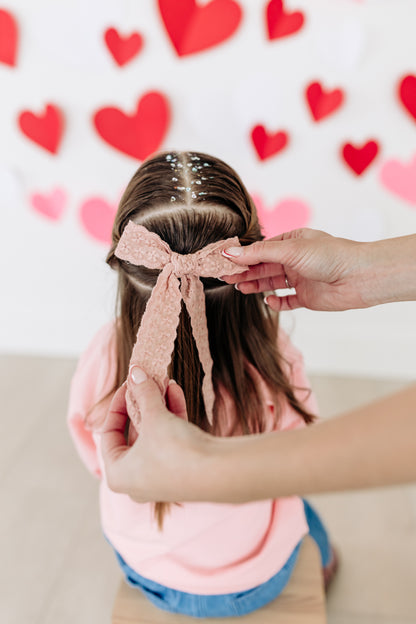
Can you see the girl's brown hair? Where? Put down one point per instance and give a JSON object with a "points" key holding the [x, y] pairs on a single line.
{"points": [[190, 200]]}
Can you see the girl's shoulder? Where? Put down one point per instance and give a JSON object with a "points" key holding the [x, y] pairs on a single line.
{"points": [[95, 371]]}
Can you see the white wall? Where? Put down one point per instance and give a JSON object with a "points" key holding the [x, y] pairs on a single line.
{"points": [[57, 289]]}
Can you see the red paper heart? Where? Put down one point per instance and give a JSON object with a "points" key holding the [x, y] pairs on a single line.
{"points": [[359, 158], [407, 94], [193, 28], [123, 49], [97, 217], [52, 205], [8, 38], [323, 103], [281, 23], [46, 129], [267, 144], [137, 135]]}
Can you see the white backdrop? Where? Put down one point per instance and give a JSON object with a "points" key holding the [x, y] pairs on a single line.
{"points": [[57, 289]]}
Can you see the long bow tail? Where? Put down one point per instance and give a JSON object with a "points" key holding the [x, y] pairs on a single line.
{"points": [[193, 294], [156, 336]]}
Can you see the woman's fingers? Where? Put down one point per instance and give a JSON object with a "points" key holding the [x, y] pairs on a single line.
{"points": [[262, 285]]}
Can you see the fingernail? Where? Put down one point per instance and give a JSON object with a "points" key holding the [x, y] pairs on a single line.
{"points": [[236, 287], [137, 375], [234, 252], [265, 300], [171, 382]]}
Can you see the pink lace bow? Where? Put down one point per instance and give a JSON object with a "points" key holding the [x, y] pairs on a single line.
{"points": [[157, 332]]}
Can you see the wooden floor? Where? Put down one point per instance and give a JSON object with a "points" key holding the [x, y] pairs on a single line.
{"points": [[57, 568]]}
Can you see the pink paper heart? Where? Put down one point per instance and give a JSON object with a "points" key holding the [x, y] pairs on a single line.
{"points": [[287, 215], [97, 217], [400, 179], [51, 205]]}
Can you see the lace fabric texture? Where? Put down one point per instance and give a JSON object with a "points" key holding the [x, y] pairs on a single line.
{"points": [[152, 351]]}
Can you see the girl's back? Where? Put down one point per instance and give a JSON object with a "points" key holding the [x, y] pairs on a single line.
{"points": [[190, 201]]}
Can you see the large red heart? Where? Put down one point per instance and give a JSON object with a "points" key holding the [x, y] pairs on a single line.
{"points": [[46, 129], [359, 158], [123, 49], [8, 38], [407, 94], [267, 144], [193, 28], [323, 103], [137, 135], [281, 23]]}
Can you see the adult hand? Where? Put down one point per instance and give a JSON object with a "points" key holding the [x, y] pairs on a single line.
{"points": [[323, 270], [328, 273], [155, 467]]}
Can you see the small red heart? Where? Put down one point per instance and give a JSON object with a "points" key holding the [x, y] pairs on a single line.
{"points": [[8, 38], [407, 94], [323, 103], [137, 135], [46, 129], [267, 144], [97, 217], [193, 28], [281, 23], [123, 49], [359, 158]]}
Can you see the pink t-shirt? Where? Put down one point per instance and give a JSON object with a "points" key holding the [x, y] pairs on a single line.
{"points": [[204, 548]]}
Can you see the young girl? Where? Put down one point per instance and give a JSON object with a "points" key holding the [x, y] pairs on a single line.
{"points": [[239, 373]]}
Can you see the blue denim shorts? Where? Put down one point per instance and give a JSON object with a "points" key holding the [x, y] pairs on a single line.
{"points": [[239, 603]]}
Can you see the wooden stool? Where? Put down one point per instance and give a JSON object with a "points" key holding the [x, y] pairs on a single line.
{"points": [[302, 601]]}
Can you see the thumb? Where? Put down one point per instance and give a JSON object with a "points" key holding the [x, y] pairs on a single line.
{"points": [[146, 393], [273, 251]]}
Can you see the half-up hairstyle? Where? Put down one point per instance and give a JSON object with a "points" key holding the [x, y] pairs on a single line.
{"points": [[190, 200]]}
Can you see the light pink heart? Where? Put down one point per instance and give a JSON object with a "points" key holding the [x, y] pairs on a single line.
{"points": [[400, 179], [97, 217], [51, 205], [287, 215]]}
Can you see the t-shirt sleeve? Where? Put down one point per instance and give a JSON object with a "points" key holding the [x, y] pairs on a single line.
{"points": [[295, 369], [94, 377]]}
